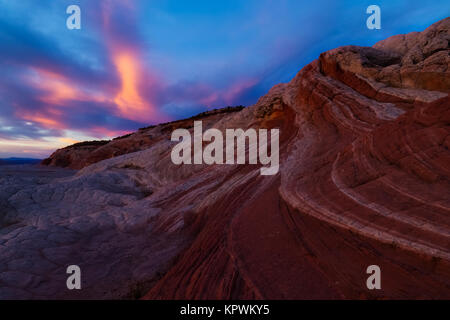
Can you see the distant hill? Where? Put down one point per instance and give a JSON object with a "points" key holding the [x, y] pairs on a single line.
{"points": [[9, 161], [82, 154]]}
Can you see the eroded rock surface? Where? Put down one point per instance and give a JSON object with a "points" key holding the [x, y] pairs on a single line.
{"points": [[364, 180]]}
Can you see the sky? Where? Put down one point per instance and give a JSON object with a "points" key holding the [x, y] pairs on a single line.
{"points": [[136, 63]]}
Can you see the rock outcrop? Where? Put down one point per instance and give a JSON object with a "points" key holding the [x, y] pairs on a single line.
{"points": [[364, 180], [82, 154]]}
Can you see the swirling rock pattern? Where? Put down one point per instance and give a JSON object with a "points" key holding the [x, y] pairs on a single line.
{"points": [[364, 180]]}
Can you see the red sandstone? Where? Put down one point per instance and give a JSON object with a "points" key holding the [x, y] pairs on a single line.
{"points": [[364, 179]]}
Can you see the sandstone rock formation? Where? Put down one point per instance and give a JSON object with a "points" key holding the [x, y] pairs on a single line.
{"points": [[82, 154], [364, 180]]}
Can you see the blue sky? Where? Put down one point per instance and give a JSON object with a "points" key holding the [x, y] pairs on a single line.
{"points": [[135, 63]]}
